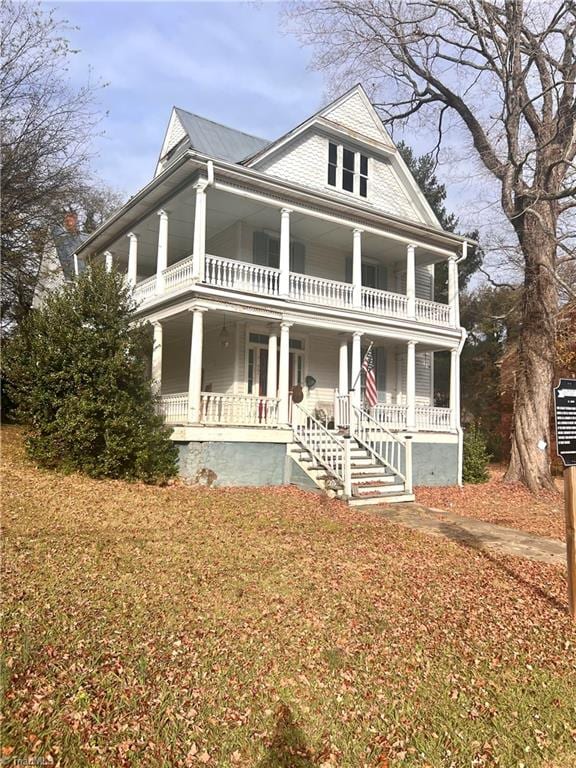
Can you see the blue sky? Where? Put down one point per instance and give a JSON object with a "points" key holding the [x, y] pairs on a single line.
{"points": [[226, 61]]}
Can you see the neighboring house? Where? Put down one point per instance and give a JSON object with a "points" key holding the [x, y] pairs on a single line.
{"points": [[57, 264], [266, 268]]}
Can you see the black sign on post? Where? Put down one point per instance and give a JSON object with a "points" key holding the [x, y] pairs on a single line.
{"points": [[565, 408]]}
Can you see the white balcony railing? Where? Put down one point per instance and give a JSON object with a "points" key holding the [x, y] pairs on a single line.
{"points": [[178, 274], [232, 274], [145, 290], [241, 276], [384, 302], [432, 419], [318, 290], [432, 312]]}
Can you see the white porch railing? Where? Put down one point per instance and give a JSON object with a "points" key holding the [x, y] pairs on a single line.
{"points": [[384, 302], [341, 410], [241, 276], [325, 447], [238, 410], [385, 447], [145, 289], [432, 312], [433, 419], [178, 274], [318, 290], [175, 408], [391, 415]]}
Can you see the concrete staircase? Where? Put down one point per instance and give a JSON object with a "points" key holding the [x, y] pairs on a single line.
{"points": [[372, 482]]}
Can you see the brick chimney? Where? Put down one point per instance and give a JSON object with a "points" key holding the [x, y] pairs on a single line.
{"points": [[71, 222]]}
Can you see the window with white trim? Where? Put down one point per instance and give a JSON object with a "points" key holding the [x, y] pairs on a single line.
{"points": [[347, 169]]}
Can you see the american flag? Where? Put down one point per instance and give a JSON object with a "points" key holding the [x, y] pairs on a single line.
{"points": [[370, 379]]}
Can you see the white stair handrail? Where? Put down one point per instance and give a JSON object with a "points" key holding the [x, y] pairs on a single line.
{"points": [[384, 446], [326, 448]]}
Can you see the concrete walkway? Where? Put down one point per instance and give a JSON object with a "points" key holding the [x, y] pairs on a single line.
{"points": [[475, 533]]}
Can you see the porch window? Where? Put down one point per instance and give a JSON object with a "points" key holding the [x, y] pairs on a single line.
{"points": [[266, 251]]}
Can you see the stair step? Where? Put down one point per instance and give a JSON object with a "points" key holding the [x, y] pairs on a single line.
{"points": [[365, 481], [377, 490], [392, 498]]}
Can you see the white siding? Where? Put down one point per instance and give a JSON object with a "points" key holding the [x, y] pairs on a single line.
{"points": [[423, 278], [354, 114], [305, 162], [423, 378]]}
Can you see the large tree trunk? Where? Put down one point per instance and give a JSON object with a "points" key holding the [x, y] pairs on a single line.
{"points": [[530, 458]]}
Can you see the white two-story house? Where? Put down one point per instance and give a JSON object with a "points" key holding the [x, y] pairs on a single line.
{"points": [[266, 269]]}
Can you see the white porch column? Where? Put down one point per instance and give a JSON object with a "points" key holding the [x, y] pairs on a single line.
{"points": [[454, 389], [272, 372], [162, 255], [357, 269], [411, 280], [132, 258], [108, 261], [356, 384], [283, 373], [157, 359], [284, 282], [453, 291], [195, 370], [199, 247], [411, 385], [343, 385]]}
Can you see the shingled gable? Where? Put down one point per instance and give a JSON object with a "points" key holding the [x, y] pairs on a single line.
{"points": [[352, 117]]}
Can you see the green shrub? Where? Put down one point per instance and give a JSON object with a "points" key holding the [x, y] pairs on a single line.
{"points": [[476, 456], [77, 372]]}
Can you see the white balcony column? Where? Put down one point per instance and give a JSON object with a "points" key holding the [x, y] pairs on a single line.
{"points": [[132, 258], [453, 291], [357, 269], [162, 255], [284, 280], [272, 372], [343, 384], [157, 358], [356, 384], [283, 373], [199, 247], [108, 261], [411, 280], [411, 386], [454, 389], [195, 369]]}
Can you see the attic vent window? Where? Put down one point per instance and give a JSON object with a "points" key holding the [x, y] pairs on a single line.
{"points": [[347, 170]]}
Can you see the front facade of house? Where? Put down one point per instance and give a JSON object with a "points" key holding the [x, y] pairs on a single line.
{"points": [[266, 269]]}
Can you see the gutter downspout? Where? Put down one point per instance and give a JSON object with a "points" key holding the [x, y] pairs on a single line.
{"points": [[459, 429]]}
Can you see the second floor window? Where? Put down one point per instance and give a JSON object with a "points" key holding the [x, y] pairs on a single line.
{"points": [[347, 170]]}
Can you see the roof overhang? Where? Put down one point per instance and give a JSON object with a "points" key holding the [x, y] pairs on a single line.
{"points": [[183, 171]]}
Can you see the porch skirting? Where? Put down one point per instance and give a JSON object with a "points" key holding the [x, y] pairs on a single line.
{"points": [[229, 463]]}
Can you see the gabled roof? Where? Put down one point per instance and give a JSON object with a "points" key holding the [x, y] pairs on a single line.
{"points": [[217, 140]]}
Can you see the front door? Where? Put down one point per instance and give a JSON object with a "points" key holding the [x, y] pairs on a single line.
{"points": [[257, 370]]}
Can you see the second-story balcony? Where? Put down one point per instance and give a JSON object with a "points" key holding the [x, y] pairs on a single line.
{"points": [[248, 278], [211, 239]]}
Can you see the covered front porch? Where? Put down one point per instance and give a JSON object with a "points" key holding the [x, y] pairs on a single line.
{"points": [[227, 368]]}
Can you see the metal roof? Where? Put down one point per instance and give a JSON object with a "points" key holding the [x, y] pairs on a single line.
{"points": [[219, 141]]}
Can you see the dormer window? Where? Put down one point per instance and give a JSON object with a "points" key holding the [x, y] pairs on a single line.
{"points": [[347, 170]]}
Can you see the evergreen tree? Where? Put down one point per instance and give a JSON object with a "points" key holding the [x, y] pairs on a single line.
{"points": [[423, 168], [77, 371]]}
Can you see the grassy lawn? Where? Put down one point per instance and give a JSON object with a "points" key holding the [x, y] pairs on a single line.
{"points": [[181, 627]]}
